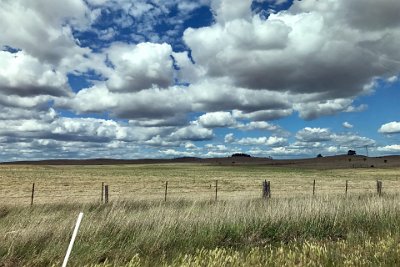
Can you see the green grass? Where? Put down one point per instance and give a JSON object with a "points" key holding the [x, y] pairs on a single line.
{"points": [[178, 233]]}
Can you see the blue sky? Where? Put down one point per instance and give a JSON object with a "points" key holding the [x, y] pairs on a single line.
{"points": [[208, 78]]}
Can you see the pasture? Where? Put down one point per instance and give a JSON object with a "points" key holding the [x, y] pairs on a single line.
{"points": [[138, 228]]}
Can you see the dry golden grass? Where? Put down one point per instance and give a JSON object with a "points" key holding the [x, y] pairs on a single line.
{"points": [[81, 184]]}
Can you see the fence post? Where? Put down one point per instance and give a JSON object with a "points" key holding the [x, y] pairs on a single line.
{"points": [[166, 190], [266, 187], [379, 187], [347, 186], [33, 193], [216, 190], [106, 193], [102, 192], [313, 188]]}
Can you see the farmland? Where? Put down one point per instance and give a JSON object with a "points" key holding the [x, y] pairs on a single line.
{"points": [[138, 228]]}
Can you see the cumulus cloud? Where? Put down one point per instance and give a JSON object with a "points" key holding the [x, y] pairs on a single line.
{"points": [[217, 119], [390, 128], [24, 75], [155, 103], [44, 27], [270, 54], [240, 72], [229, 138], [258, 125], [347, 125], [390, 148], [352, 140], [138, 67], [314, 135], [273, 141], [193, 132], [228, 10]]}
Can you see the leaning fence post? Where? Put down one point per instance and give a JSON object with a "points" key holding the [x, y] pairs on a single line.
{"points": [[216, 190], [166, 191], [313, 188], [71, 243], [33, 193], [106, 193], [347, 186]]}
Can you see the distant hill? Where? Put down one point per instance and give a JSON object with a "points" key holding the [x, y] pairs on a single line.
{"points": [[329, 162]]}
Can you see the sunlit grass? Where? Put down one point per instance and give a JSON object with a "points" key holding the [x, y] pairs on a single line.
{"points": [[80, 184]]}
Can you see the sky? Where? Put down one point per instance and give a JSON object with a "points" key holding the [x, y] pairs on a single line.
{"points": [[177, 78]]}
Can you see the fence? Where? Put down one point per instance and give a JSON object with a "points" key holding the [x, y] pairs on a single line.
{"points": [[167, 190]]}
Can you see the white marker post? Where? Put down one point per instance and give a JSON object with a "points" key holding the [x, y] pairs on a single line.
{"points": [[71, 244]]}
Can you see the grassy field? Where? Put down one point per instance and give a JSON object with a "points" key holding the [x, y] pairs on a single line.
{"points": [[82, 184], [137, 228]]}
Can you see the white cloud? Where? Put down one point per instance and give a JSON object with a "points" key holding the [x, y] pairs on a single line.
{"points": [[213, 147], [193, 132], [352, 141], [243, 70], [314, 135], [257, 125], [269, 54], [390, 128], [43, 28], [217, 119], [390, 148], [347, 125], [138, 67], [158, 104], [393, 79], [177, 153], [24, 75], [227, 10], [229, 138], [268, 141]]}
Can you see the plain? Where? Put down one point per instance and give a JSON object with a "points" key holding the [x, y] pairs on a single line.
{"points": [[139, 228]]}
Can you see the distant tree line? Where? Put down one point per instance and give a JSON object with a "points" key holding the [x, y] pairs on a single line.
{"points": [[243, 155]]}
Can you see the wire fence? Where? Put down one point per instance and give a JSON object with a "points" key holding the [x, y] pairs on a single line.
{"points": [[42, 193]]}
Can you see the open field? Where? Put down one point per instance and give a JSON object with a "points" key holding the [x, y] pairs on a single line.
{"points": [[137, 228], [82, 184]]}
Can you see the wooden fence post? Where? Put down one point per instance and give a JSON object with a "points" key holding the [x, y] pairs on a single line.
{"points": [[216, 190], [102, 192], [106, 193], [166, 191], [347, 186], [313, 188], [33, 193], [266, 187], [379, 187]]}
